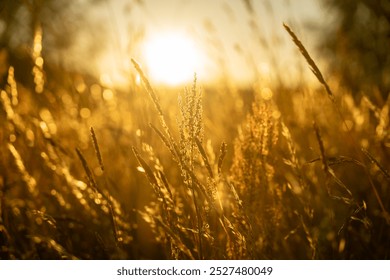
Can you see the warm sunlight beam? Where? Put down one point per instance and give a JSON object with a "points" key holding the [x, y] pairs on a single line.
{"points": [[172, 58]]}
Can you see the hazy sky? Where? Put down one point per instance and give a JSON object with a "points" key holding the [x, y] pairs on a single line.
{"points": [[239, 40]]}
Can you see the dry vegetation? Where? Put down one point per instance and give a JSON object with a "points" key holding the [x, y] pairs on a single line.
{"points": [[88, 172]]}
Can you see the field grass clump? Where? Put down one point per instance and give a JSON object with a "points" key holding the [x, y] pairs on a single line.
{"points": [[92, 172]]}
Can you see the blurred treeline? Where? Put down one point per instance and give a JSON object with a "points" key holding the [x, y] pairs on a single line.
{"points": [[358, 44], [68, 31], [355, 44]]}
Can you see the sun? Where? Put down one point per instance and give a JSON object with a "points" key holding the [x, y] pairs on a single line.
{"points": [[172, 58]]}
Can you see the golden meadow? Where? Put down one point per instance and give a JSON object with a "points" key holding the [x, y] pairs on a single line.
{"points": [[92, 172]]}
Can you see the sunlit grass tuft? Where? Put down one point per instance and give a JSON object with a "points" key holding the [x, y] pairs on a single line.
{"points": [[92, 172]]}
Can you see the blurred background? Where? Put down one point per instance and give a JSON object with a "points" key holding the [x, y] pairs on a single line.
{"points": [[244, 36], [239, 40]]}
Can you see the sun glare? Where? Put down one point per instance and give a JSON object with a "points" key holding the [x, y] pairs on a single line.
{"points": [[172, 58]]}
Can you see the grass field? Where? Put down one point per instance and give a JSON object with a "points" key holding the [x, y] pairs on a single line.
{"points": [[215, 172]]}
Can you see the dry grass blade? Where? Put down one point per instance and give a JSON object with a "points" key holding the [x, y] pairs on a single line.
{"points": [[204, 156], [163, 194], [338, 160], [291, 148], [169, 140], [165, 140], [95, 187], [145, 166], [373, 160], [88, 171], [49, 220], [148, 87], [176, 239], [223, 151], [96, 146], [339, 182], [154, 98], [237, 198], [316, 71], [325, 165], [311, 240], [324, 160], [165, 182]]}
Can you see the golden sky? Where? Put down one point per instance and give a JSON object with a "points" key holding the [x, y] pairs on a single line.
{"points": [[231, 38]]}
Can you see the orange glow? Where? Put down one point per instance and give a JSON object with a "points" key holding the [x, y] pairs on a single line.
{"points": [[172, 58]]}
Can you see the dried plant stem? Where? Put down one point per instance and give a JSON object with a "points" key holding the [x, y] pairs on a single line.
{"points": [[204, 157], [88, 171], [324, 161], [97, 150], [196, 204], [199, 223], [95, 187], [310, 61], [316, 71], [156, 104], [381, 168], [223, 151]]}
